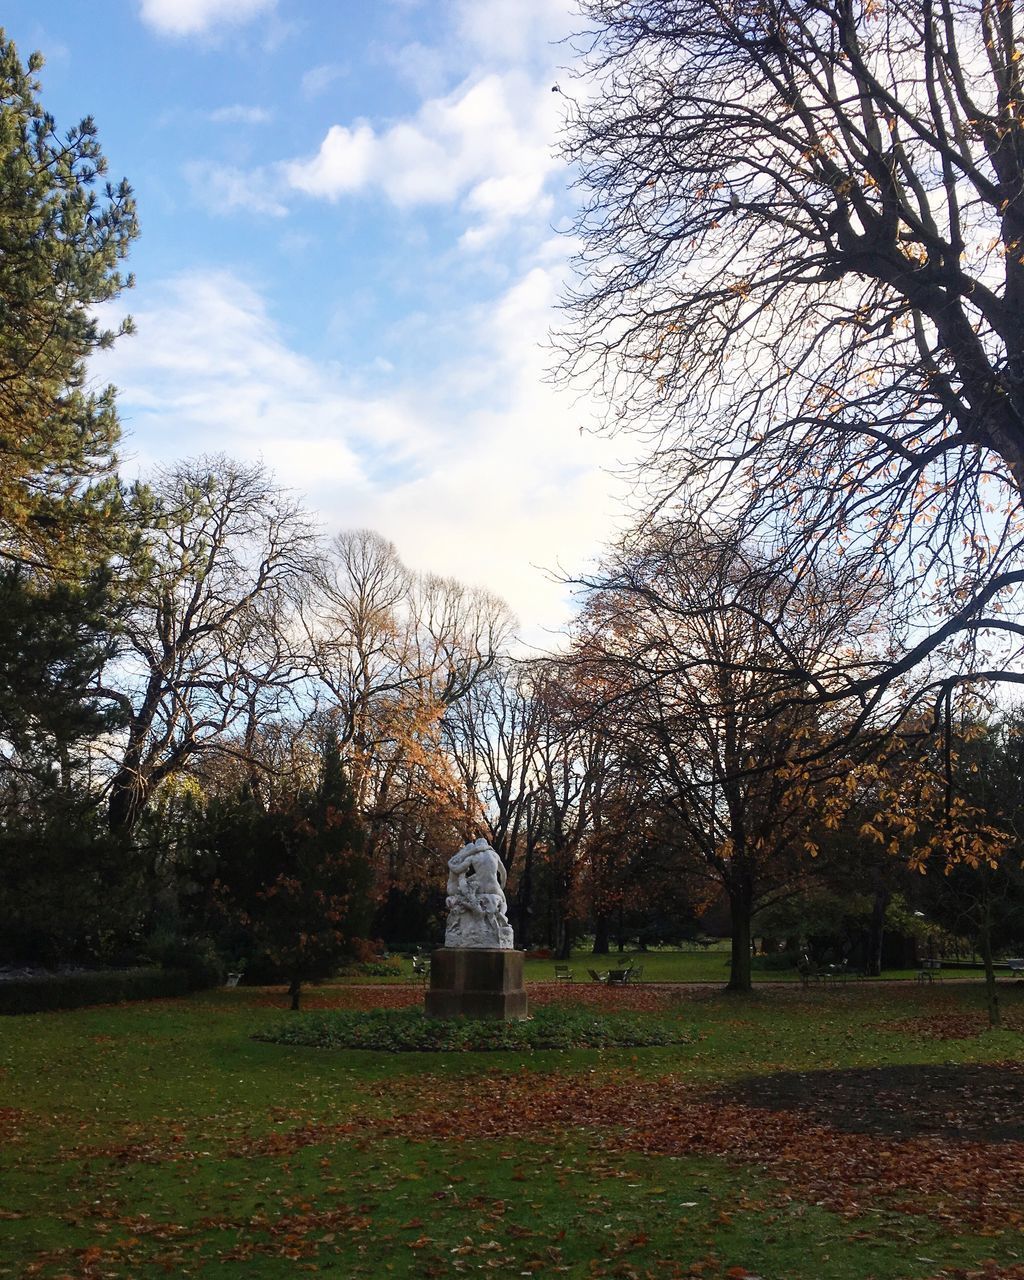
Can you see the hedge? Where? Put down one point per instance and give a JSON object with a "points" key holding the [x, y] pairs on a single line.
{"points": [[101, 986]]}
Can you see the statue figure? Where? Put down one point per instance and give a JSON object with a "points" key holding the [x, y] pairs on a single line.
{"points": [[476, 900]]}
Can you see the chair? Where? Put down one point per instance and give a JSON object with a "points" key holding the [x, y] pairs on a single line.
{"points": [[597, 977], [421, 967], [808, 971], [635, 974], [618, 977], [563, 973]]}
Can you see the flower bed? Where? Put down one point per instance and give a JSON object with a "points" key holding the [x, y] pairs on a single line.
{"points": [[410, 1030]]}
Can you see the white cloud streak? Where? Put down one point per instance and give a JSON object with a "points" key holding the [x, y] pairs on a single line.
{"points": [[238, 113], [224, 189], [199, 17]]}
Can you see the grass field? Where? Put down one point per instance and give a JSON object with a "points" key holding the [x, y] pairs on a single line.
{"points": [[671, 965], [837, 1134]]}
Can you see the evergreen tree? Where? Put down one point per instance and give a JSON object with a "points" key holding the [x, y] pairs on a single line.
{"points": [[60, 246], [295, 876], [67, 889], [54, 640]]}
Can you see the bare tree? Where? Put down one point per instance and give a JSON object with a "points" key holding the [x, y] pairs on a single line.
{"points": [[492, 734], [394, 651], [802, 278], [676, 638], [205, 650]]}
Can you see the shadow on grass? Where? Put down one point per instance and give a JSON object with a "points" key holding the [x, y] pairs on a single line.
{"points": [[978, 1102]]}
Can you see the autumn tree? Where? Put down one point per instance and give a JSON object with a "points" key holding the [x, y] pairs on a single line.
{"points": [[690, 693], [982, 898], [394, 651], [801, 277]]}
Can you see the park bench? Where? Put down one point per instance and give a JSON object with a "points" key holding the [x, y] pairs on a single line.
{"points": [[564, 974]]}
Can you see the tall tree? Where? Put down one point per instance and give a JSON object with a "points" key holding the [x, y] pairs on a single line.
{"points": [[205, 650], [61, 242], [692, 696], [394, 651], [802, 276]]}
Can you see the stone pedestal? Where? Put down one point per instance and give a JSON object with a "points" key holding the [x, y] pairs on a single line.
{"points": [[476, 983]]}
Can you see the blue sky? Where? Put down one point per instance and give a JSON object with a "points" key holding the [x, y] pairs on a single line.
{"points": [[353, 237]]}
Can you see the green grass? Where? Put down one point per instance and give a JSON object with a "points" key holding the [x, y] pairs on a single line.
{"points": [[660, 965], [158, 1139]]}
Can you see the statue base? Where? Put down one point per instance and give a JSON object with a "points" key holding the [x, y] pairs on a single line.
{"points": [[476, 983]]}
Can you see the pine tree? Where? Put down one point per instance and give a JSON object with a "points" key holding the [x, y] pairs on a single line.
{"points": [[296, 876], [54, 640], [61, 243]]}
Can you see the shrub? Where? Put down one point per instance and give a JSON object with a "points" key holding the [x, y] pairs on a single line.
{"points": [[197, 957], [410, 1030], [77, 990]]}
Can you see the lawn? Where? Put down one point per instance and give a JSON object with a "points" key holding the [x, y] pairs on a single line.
{"points": [[667, 965], [840, 1134]]}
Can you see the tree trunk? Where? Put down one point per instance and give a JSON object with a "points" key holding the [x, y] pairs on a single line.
{"points": [[991, 994], [876, 930], [602, 935], [128, 794], [741, 905], [295, 990], [524, 902]]}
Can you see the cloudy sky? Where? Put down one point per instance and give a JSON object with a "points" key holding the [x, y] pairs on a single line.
{"points": [[353, 238]]}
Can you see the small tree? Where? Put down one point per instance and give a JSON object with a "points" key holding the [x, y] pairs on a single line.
{"points": [[295, 876]]}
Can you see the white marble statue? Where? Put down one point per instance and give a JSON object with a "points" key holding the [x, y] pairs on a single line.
{"points": [[476, 900]]}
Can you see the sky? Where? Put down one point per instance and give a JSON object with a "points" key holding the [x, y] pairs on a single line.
{"points": [[355, 230]]}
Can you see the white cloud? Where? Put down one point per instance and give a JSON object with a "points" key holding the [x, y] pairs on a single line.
{"points": [[516, 31], [240, 114], [197, 17], [488, 144], [319, 79], [491, 494], [225, 189]]}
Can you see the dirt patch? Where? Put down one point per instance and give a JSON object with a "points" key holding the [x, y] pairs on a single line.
{"points": [[973, 1102]]}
